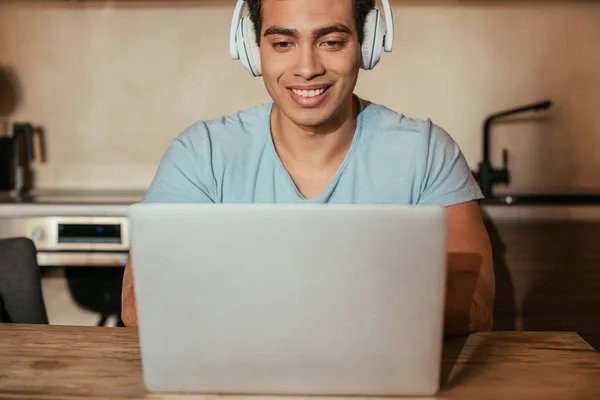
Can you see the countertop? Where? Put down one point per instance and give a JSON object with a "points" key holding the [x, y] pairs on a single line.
{"points": [[60, 362], [75, 210], [94, 203], [504, 213], [73, 197], [116, 203]]}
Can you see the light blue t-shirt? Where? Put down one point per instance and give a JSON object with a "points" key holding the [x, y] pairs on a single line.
{"points": [[392, 160]]}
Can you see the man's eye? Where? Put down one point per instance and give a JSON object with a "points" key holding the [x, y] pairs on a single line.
{"points": [[282, 45], [333, 44]]}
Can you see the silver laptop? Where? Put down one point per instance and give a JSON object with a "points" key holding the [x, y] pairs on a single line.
{"points": [[290, 299]]}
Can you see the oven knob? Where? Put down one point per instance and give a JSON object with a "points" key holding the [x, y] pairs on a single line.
{"points": [[37, 234]]}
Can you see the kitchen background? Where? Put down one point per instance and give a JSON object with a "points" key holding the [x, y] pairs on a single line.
{"points": [[113, 84], [110, 84]]}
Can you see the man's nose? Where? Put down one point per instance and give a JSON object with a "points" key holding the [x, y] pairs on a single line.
{"points": [[309, 64]]}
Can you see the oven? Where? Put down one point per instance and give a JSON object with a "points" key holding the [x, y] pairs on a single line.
{"points": [[88, 230], [72, 240], [82, 241]]}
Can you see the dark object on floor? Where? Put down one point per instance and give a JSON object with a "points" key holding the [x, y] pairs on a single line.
{"points": [[21, 299], [97, 289]]}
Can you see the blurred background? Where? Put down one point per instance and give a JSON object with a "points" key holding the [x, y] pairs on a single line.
{"points": [[92, 93]]}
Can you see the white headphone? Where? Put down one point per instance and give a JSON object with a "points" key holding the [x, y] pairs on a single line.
{"points": [[379, 34]]}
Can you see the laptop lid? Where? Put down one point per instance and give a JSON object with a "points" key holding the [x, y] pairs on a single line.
{"points": [[290, 299]]}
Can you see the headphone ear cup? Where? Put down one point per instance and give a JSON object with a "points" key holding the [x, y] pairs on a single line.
{"points": [[251, 51], [372, 46]]}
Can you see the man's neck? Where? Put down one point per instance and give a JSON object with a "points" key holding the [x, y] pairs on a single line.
{"points": [[318, 146]]}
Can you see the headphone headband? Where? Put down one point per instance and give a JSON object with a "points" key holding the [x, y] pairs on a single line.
{"points": [[379, 35], [239, 10]]}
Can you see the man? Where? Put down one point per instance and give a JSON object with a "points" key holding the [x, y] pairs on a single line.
{"points": [[318, 142]]}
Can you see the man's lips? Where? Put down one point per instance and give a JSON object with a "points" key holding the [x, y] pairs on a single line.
{"points": [[310, 87], [309, 98], [309, 91]]}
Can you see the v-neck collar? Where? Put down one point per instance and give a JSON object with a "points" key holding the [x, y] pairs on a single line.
{"points": [[362, 105]]}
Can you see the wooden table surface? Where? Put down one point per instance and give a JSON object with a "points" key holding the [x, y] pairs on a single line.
{"points": [[60, 362]]}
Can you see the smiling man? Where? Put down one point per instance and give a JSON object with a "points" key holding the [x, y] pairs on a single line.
{"points": [[317, 142]]}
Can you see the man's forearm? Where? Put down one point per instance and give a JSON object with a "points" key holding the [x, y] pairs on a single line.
{"points": [[469, 298], [128, 307]]}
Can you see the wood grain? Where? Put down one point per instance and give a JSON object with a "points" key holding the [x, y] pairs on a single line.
{"points": [[60, 362], [74, 361]]}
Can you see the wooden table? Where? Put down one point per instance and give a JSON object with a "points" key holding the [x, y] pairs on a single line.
{"points": [[58, 362]]}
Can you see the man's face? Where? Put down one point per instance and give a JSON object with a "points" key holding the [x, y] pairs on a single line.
{"points": [[310, 57]]}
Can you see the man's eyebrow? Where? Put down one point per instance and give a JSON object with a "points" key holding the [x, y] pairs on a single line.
{"points": [[338, 28], [278, 30], [317, 33]]}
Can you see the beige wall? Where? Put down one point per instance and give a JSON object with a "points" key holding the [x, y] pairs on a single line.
{"points": [[113, 85]]}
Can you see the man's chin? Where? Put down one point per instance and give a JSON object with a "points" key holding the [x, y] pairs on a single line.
{"points": [[310, 119]]}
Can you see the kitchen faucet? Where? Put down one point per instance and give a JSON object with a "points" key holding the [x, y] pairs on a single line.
{"points": [[487, 175]]}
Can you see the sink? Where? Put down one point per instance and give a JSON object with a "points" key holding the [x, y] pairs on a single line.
{"points": [[543, 200]]}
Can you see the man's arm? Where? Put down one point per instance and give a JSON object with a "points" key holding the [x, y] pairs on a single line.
{"points": [[128, 309], [471, 283], [184, 175]]}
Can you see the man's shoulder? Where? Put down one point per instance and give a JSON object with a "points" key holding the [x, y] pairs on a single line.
{"points": [[442, 174], [245, 123], [385, 123]]}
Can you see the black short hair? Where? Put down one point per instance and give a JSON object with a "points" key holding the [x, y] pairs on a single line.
{"points": [[361, 10]]}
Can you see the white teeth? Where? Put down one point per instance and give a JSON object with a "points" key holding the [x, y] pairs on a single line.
{"points": [[309, 93]]}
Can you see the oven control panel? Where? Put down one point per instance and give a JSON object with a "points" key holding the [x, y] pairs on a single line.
{"points": [[81, 241]]}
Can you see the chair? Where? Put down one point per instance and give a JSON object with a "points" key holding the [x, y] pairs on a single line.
{"points": [[21, 299]]}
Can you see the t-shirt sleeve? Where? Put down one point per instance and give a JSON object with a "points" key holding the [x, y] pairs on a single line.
{"points": [[184, 174], [447, 178]]}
